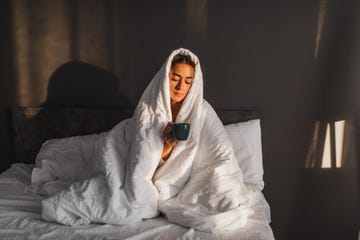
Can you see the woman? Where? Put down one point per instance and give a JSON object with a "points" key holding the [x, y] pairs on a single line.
{"points": [[181, 75], [144, 170]]}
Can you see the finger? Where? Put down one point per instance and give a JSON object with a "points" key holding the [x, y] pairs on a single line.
{"points": [[170, 140], [167, 128], [167, 134], [168, 137]]}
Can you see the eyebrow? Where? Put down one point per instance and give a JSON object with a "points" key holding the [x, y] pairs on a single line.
{"points": [[189, 77]]}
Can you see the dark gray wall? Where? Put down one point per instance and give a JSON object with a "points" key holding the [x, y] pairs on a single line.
{"points": [[7, 97], [254, 55]]}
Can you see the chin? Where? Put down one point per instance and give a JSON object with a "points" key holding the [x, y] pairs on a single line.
{"points": [[177, 100]]}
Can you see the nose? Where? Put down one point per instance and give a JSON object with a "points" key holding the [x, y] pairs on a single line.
{"points": [[179, 85]]}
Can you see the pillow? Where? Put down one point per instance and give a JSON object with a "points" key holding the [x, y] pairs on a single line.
{"points": [[246, 139]]}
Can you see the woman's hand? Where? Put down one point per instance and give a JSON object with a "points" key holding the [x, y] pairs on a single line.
{"points": [[169, 141], [168, 135]]}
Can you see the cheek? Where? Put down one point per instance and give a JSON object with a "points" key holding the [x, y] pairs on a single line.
{"points": [[172, 86]]}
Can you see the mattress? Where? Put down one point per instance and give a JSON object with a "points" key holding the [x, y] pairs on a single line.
{"points": [[20, 218]]}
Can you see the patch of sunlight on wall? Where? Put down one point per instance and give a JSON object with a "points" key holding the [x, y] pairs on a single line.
{"points": [[21, 52], [326, 158], [339, 129], [320, 25], [41, 44], [311, 158], [339, 141], [327, 145]]}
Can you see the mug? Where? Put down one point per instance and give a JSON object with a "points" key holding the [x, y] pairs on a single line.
{"points": [[180, 131]]}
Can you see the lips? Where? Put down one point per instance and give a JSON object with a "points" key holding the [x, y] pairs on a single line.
{"points": [[179, 94]]}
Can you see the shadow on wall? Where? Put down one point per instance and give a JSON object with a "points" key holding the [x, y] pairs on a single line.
{"points": [[79, 84], [73, 85]]}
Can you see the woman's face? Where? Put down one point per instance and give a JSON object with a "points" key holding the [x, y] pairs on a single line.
{"points": [[181, 77]]}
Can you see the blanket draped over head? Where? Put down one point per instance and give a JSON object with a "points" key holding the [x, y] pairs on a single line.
{"points": [[113, 177]]}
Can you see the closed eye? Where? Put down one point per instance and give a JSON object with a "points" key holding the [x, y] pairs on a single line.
{"points": [[189, 80], [175, 77]]}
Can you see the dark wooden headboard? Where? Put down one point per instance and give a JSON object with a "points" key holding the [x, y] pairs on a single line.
{"points": [[34, 125]]}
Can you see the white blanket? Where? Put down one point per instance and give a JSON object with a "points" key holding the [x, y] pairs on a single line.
{"points": [[115, 178]]}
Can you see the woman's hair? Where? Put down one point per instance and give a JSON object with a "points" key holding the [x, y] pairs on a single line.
{"points": [[181, 58]]}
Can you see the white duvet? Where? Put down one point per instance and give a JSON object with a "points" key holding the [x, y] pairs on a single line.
{"points": [[113, 177]]}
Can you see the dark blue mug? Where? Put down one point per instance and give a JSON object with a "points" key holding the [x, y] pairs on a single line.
{"points": [[181, 131]]}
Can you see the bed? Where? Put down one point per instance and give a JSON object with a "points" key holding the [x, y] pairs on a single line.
{"points": [[20, 208]]}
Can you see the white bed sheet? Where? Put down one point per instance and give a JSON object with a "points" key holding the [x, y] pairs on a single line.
{"points": [[20, 218]]}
